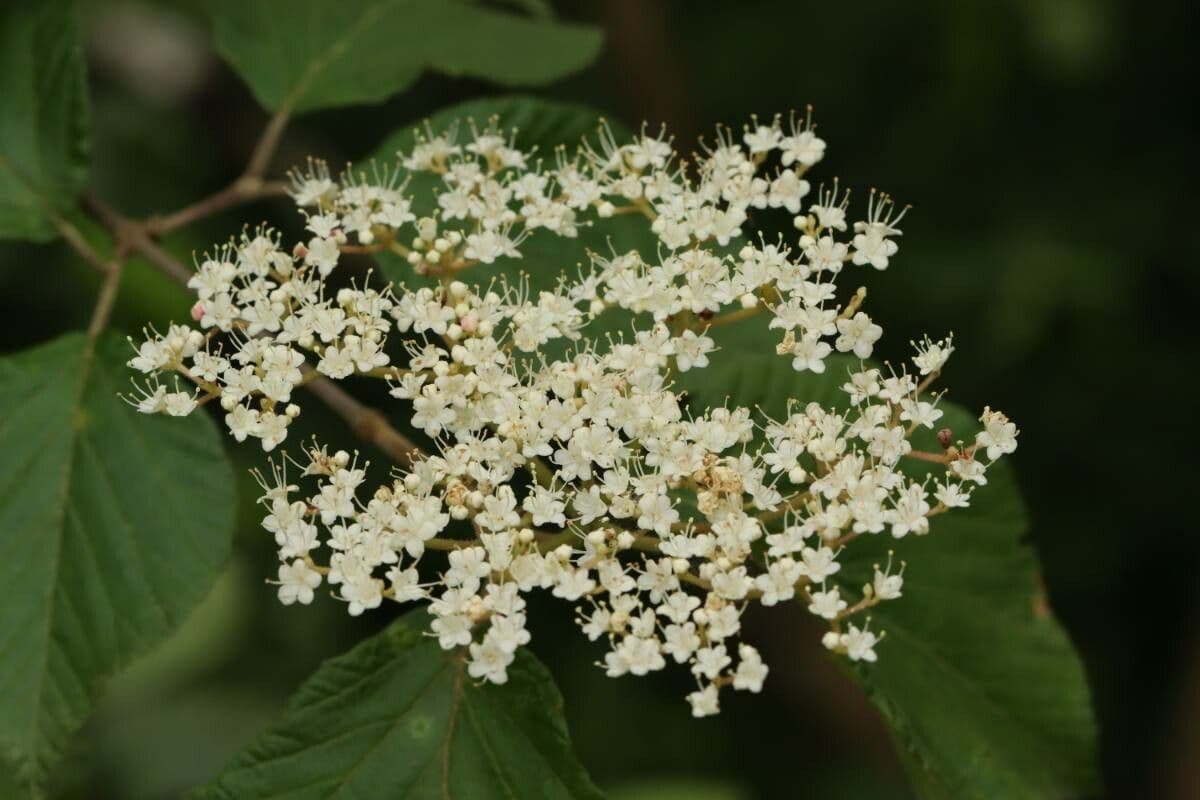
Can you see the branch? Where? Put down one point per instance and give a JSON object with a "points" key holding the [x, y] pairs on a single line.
{"points": [[134, 236], [730, 317], [268, 142], [76, 242], [247, 187], [107, 297], [243, 190], [111, 270], [935, 458], [367, 423]]}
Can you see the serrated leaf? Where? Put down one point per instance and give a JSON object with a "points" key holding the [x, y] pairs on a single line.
{"points": [[43, 162], [398, 717], [983, 692], [113, 525], [310, 54]]}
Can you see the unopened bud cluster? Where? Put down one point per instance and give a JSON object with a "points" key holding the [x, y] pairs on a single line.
{"points": [[586, 474]]}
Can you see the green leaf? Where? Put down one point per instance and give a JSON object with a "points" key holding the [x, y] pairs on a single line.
{"points": [[397, 716], [979, 684], [43, 146], [310, 54], [113, 525]]}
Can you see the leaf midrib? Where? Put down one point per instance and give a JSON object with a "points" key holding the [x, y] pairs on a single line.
{"points": [[328, 56]]}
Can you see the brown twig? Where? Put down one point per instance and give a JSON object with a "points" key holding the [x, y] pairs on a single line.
{"points": [[243, 190], [111, 270], [247, 187], [367, 423], [135, 237], [268, 143], [106, 298], [76, 242], [731, 317], [923, 455]]}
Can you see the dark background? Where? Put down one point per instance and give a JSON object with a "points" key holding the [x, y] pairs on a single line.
{"points": [[1048, 150]]}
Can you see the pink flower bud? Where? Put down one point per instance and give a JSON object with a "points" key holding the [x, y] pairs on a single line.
{"points": [[198, 311]]}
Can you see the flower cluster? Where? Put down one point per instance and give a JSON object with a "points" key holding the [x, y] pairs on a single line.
{"points": [[585, 474]]}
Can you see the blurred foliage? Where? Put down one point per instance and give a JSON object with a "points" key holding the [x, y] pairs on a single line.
{"points": [[43, 141], [1044, 146], [310, 54]]}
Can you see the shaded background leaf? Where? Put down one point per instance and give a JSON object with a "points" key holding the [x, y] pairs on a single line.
{"points": [[309, 54], [398, 716], [984, 692], [43, 139]]}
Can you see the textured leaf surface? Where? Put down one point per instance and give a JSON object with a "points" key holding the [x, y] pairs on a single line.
{"points": [[113, 525], [42, 127], [981, 687], [310, 54], [398, 717]]}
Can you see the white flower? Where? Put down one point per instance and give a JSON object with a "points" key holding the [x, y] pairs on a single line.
{"points": [[932, 356], [710, 661], [858, 335], [873, 248], [657, 513], [999, 435], [152, 355], [818, 564], [489, 661], [691, 351], [272, 429], [828, 604], [763, 138], [180, 404], [859, 644], [405, 584], [887, 587], [751, 671], [322, 254], [546, 507], [297, 582], [362, 593], [705, 702], [804, 147], [810, 353]]}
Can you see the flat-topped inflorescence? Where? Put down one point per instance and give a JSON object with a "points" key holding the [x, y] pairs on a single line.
{"points": [[583, 473]]}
